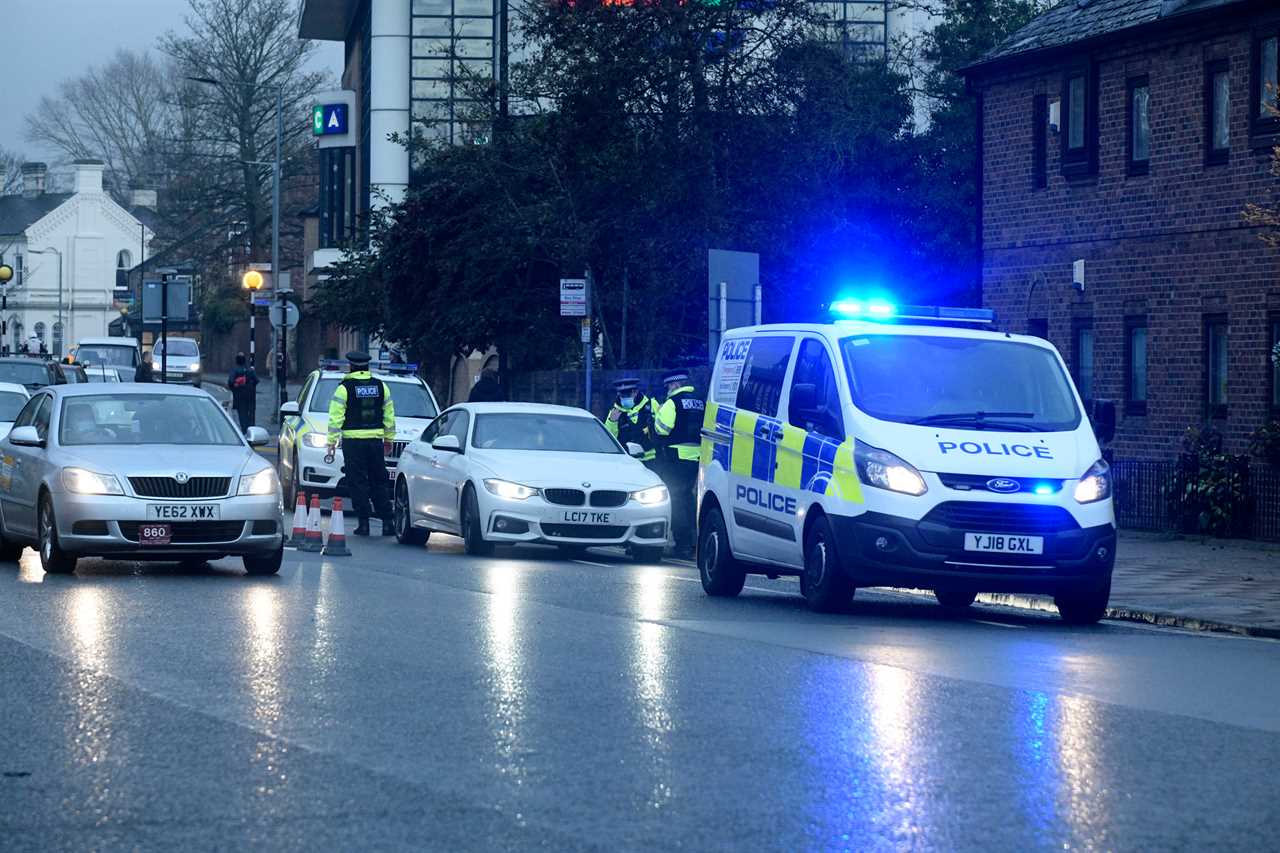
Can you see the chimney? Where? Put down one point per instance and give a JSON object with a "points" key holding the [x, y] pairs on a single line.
{"points": [[144, 198], [88, 178], [33, 175]]}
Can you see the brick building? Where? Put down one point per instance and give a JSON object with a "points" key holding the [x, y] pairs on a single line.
{"points": [[1129, 135]]}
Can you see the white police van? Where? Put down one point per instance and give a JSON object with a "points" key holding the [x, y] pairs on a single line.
{"points": [[910, 447]]}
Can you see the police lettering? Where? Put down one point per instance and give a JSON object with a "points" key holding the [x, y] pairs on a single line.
{"points": [[989, 449], [771, 501], [367, 390], [736, 350]]}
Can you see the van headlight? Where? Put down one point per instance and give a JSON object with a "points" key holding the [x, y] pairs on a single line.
{"points": [[1095, 485], [82, 481], [651, 496], [318, 440], [261, 483], [510, 491], [883, 470]]}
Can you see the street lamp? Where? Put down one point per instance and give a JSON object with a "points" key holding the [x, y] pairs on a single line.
{"points": [[6, 276], [252, 281], [275, 210], [46, 250]]}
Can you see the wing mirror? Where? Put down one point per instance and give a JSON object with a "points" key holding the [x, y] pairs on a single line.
{"points": [[290, 409], [447, 442], [25, 436], [634, 450], [258, 437], [1104, 420]]}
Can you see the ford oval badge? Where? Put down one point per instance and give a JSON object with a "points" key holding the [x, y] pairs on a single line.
{"points": [[1003, 485]]}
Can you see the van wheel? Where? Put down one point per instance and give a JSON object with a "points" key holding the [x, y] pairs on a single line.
{"points": [[472, 532], [722, 575], [955, 599], [823, 582], [1084, 605]]}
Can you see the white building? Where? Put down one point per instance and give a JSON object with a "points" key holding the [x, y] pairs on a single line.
{"points": [[65, 249]]}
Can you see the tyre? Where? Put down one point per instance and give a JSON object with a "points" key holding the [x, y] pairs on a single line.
{"points": [[472, 531], [264, 565], [291, 490], [722, 575], [823, 583], [1086, 605], [53, 559], [406, 533], [955, 599], [647, 553]]}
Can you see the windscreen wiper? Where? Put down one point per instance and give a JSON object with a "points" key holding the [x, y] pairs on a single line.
{"points": [[997, 420]]}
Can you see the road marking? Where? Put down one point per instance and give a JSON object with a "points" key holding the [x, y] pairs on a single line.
{"points": [[597, 565], [752, 588], [997, 624]]}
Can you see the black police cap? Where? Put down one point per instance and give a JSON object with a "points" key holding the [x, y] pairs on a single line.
{"points": [[358, 359]]}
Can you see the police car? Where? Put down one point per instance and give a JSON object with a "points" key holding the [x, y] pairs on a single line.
{"points": [[910, 447], [305, 425]]}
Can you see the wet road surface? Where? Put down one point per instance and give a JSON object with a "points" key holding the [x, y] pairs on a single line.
{"points": [[422, 699]]}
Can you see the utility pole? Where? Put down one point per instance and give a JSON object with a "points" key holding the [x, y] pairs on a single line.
{"points": [[586, 343], [164, 330], [282, 363], [6, 276], [252, 281]]}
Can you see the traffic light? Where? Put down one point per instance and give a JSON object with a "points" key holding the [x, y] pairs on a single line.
{"points": [[252, 280]]}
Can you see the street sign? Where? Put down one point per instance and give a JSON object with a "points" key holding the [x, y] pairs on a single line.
{"points": [[291, 315], [573, 297], [179, 300], [263, 300], [329, 119], [586, 330]]}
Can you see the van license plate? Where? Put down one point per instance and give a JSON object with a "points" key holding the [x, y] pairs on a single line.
{"points": [[184, 512], [1003, 543]]}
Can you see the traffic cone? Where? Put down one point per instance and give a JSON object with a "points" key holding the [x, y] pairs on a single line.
{"points": [[314, 541], [299, 522], [337, 544]]}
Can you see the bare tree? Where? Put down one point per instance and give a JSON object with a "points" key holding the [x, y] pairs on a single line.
{"points": [[10, 172]]}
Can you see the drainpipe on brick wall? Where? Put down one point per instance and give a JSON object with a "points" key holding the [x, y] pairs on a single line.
{"points": [[978, 160]]}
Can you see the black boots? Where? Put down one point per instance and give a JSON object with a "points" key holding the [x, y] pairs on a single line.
{"points": [[388, 526], [362, 529]]}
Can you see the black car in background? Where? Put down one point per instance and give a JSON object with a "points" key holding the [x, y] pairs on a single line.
{"points": [[34, 373]]}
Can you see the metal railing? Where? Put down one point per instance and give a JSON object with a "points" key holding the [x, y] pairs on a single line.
{"points": [[1163, 495]]}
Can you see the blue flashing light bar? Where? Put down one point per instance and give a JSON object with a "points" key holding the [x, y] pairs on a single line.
{"points": [[339, 365], [875, 309]]}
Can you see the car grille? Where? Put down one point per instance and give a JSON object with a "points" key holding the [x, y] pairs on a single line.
{"points": [[607, 498], [981, 483], [167, 487], [565, 497], [584, 531], [984, 517], [191, 532], [397, 450]]}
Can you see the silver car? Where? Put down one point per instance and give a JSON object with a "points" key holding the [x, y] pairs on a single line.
{"points": [[182, 363], [139, 472]]}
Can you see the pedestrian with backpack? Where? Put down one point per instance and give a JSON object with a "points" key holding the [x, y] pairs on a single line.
{"points": [[243, 383]]}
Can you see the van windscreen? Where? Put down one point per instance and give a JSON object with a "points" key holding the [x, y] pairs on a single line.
{"points": [[960, 383]]}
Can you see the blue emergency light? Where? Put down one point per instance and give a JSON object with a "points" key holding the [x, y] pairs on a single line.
{"points": [[882, 311]]}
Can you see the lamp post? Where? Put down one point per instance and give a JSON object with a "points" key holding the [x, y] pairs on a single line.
{"points": [[252, 282], [46, 250], [6, 276]]}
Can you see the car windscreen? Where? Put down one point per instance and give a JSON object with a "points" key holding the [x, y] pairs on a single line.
{"points": [[960, 383], [10, 405], [101, 374], [536, 431], [123, 356], [127, 419], [409, 398], [24, 372], [184, 347]]}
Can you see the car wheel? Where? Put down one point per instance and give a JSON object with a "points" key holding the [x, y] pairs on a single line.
{"points": [[291, 489], [1084, 605], [721, 573], [406, 533], [472, 532], [823, 583], [265, 565], [647, 553], [955, 599], [53, 559]]}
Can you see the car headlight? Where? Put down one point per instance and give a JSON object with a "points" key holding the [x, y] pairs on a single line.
{"points": [[508, 490], [194, 367], [84, 482], [1095, 485], [650, 496], [318, 440], [260, 483], [883, 470]]}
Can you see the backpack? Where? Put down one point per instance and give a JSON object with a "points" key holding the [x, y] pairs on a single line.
{"points": [[240, 381]]}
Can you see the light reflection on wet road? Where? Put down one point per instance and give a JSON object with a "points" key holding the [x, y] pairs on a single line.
{"points": [[410, 699]]}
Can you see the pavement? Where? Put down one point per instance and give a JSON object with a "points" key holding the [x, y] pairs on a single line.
{"points": [[421, 699]]}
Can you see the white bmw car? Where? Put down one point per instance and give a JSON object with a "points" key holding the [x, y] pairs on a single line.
{"points": [[517, 472]]}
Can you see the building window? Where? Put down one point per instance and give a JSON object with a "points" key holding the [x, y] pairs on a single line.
{"points": [[1139, 148], [338, 202], [1266, 78], [124, 263], [57, 339], [1215, 336], [15, 326], [1079, 123], [1217, 112], [1040, 142], [858, 27], [1082, 358], [39, 332], [1135, 365]]}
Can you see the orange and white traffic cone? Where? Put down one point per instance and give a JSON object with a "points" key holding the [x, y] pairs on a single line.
{"points": [[299, 522], [337, 544], [315, 539]]}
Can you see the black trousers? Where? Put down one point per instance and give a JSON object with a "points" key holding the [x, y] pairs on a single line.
{"points": [[366, 473], [244, 413], [681, 478]]}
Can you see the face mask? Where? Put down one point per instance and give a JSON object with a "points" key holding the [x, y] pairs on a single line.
{"points": [[627, 402]]}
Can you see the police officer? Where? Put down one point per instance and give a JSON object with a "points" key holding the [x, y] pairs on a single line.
{"points": [[678, 426], [362, 415], [632, 416]]}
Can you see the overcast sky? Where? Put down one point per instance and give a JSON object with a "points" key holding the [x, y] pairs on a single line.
{"points": [[45, 41]]}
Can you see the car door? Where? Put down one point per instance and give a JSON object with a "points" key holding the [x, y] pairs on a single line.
{"points": [[290, 425], [454, 468], [21, 468], [430, 489]]}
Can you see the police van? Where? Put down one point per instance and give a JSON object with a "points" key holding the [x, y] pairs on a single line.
{"points": [[903, 446]]}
